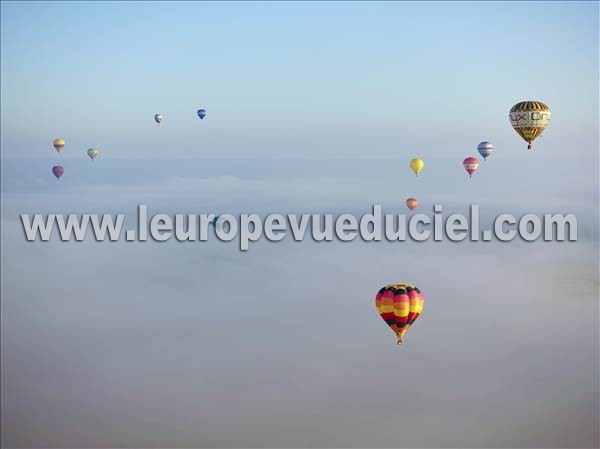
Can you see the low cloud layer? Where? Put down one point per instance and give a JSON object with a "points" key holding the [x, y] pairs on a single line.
{"points": [[201, 345]]}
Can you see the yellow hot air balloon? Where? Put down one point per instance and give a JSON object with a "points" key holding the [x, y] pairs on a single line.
{"points": [[417, 165], [529, 119], [58, 144]]}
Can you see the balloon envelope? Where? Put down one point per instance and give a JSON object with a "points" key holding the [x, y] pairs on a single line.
{"points": [[416, 165], [158, 118], [58, 171], [485, 149], [58, 144], [92, 153], [201, 113], [411, 203], [529, 119], [471, 164], [399, 305]]}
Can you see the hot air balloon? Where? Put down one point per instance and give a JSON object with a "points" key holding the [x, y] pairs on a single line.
{"points": [[529, 119], [158, 118], [485, 149], [417, 165], [58, 144], [471, 164], [92, 153], [399, 305], [411, 203], [201, 113], [58, 171]]}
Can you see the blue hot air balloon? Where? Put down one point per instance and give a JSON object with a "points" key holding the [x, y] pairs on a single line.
{"points": [[201, 113], [485, 149]]}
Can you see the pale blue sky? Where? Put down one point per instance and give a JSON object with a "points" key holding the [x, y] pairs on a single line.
{"points": [[294, 79], [200, 345]]}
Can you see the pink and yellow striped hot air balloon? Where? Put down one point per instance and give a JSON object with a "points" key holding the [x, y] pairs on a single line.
{"points": [[399, 305]]}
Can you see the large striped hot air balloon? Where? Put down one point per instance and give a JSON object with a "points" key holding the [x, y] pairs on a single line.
{"points": [[529, 119], [399, 305]]}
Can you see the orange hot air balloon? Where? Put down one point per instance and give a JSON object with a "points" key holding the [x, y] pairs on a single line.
{"points": [[411, 203], [399, 305]]}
